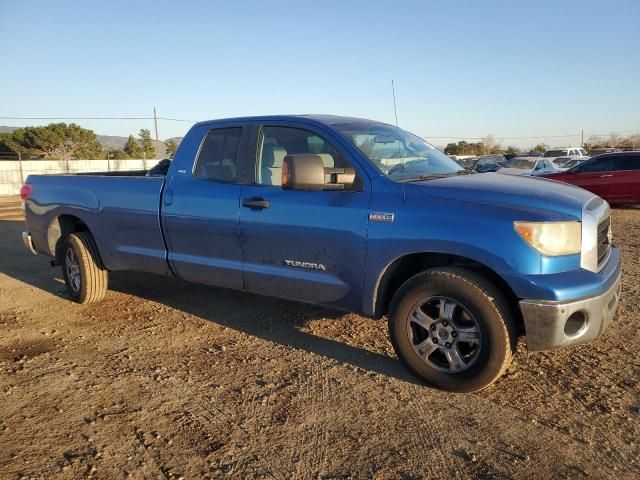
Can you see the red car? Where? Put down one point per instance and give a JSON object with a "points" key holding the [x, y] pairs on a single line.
{"points": [[612, 176]]}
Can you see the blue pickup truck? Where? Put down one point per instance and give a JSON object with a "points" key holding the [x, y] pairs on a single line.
{"points": [[352, 214]]}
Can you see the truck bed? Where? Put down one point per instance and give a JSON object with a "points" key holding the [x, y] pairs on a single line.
{"points": [[122, 209]]}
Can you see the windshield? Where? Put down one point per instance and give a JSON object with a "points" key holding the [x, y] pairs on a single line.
{"points": [[398, 154], [556, 153], [523, 163]]}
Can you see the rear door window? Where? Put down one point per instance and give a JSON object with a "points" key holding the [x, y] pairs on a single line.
{"points": [[598, 165], [626, 162]]}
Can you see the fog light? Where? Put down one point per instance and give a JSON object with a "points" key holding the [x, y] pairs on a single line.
{"points": [[575, 324]]}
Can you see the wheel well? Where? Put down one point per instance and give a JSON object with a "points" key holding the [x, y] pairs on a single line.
{"points": [[60, 227], [403, 268]]}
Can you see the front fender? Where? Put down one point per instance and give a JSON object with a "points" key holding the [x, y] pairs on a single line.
{"points": [[478, 232]]}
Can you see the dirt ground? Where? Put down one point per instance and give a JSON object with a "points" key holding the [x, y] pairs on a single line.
{"points": [[167, 379]]}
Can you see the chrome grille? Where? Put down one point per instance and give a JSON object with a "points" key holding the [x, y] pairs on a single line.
{"points": [[604, 247]]}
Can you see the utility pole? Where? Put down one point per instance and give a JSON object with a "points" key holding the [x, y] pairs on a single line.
{"points": [[20, 163], [155, 123], [582, 138]]}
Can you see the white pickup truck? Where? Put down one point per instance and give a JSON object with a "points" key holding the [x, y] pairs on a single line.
{"points": [[559, 156]]}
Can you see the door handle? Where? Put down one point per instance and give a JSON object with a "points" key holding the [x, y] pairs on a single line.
{"points": [[255, 203], [168, 197], [602, 176]]}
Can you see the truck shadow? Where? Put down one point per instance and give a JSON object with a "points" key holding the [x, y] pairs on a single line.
{"points": [[275, 320], [272, 319]]}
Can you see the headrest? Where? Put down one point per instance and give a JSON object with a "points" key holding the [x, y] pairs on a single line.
{"points": [[272, 155]]}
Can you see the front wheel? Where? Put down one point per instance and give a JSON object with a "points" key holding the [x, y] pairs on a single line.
{"points": [[84, 274], [453, 329]]}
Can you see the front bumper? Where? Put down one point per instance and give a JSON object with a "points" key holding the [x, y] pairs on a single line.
{"points": [[556, 324]]}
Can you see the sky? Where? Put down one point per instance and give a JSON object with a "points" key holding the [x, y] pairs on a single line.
{"points": [[461, 68]]}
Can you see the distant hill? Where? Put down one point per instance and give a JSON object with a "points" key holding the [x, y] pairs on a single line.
{"points": [[111, 142]]}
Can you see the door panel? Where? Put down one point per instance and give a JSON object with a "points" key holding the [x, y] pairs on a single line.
{"points": [[303, 245], [625, 179], [634, 186], [595, 176], [323, 233], [201, 213], [592, 181]]}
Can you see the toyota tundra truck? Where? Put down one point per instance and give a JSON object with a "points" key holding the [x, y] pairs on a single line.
{"points": [[356, 215]]}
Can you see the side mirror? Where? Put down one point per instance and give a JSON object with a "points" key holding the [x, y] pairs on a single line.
{"points": [[306, 171], [303, 171]]}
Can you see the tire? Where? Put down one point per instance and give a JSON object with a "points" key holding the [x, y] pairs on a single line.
{"points": [[84, 274], [467, 352]]}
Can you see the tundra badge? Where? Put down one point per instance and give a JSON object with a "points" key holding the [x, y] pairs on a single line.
{"points": [[299, 264]]}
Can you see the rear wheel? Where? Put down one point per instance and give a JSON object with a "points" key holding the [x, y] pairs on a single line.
{"points": [[452, 328], [84, 274]]}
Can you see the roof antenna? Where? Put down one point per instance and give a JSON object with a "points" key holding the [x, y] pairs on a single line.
{"points": [[395, 109]]}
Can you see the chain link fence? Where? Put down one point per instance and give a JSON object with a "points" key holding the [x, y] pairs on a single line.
{"points": [[13, 173]]}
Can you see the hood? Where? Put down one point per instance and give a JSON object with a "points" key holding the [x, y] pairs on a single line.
{"points": [[518, 192], [515, 171]]}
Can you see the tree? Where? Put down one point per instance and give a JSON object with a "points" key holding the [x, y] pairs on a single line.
{"points": [[489, 145], [133, 148], [539, 148], [486, 146], [148, 149], [56, 140], [9, 145], [170, 148], [511, 150], [452, 149]]}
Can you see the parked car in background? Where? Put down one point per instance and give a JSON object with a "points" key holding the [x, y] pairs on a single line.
{"points": [[612, 176], [460, 158], [531, 154], [533, 166], [558, 155], [480, 164], [500, 159]]}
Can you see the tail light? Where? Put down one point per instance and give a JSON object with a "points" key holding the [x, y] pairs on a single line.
{"points": [[25, 191]]}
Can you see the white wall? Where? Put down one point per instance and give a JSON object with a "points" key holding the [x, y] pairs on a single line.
{"points": [[13, 173]]}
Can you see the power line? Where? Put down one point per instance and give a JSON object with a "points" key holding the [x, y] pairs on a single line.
{"points": [[100, 118], [532, 137]]}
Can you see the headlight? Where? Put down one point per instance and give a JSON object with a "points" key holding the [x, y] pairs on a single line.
{"points": [[551, 238]]}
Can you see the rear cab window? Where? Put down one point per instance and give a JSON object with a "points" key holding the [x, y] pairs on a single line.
{"points": [[218, 158]]}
